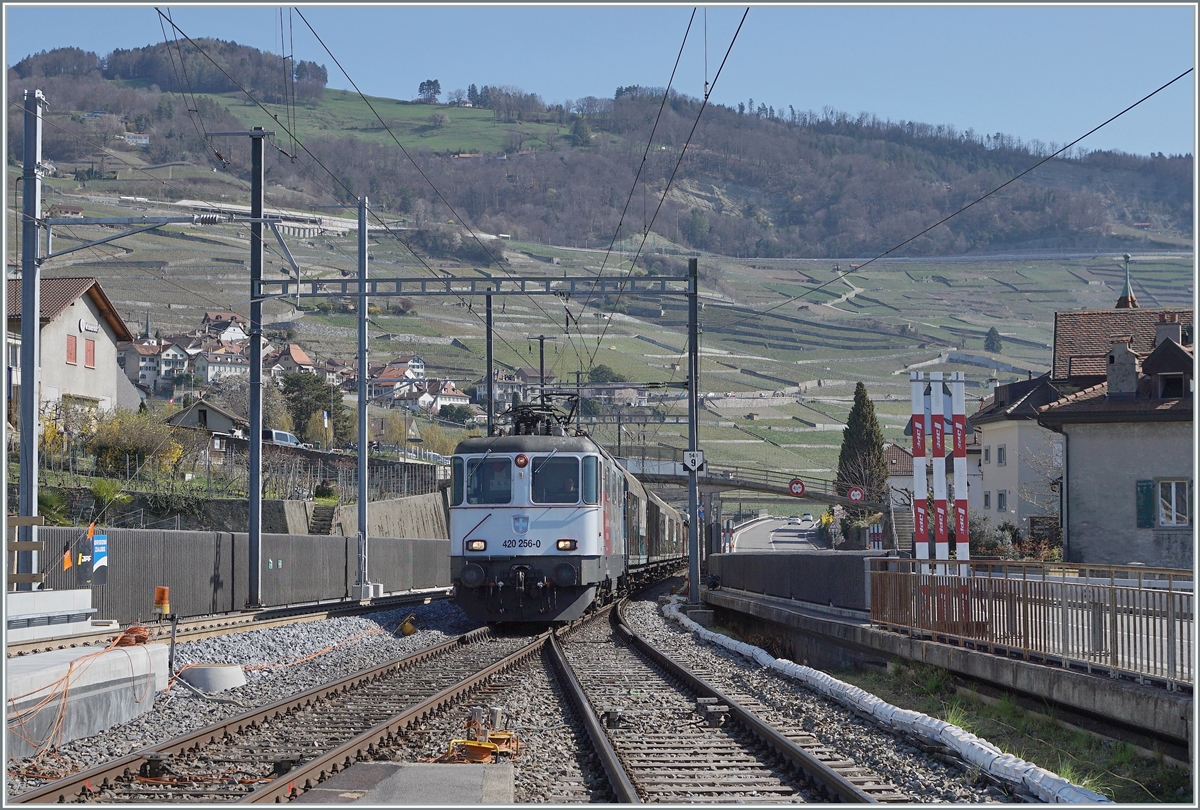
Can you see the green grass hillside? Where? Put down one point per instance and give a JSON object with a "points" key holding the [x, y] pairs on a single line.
{"points": [[341, 113]]}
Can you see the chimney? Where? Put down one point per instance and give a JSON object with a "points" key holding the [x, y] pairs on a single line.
{"points": [[1123, 368], [1169, 328]]}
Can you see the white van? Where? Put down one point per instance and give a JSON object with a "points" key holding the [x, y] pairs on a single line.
{"points": [[280, 437]]}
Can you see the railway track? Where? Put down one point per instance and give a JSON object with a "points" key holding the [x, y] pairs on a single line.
{"points": [[660, 732], [272, 752], [667, 736], [210, 626]]}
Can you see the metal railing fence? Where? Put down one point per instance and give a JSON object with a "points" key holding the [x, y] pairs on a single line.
{"points": [[1126, 620]]}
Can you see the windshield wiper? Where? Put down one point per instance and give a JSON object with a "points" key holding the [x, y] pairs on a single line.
{"points": [[478, 461], [547, 458]]}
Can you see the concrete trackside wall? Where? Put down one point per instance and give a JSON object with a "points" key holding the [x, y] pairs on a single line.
{"points": [[836, 578], [414, 516], [830, 643], [208, 572]]}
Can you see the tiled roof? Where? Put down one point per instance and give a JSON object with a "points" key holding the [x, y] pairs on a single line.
{"points": [[1094, 405], [1087, 334], [298, 355], [899, 460], [58, 293], [225, 359], [226, 317], [1019, 400]]}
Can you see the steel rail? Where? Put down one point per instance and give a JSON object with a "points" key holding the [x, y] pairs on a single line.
{"points": [[825, 776], [358, 749], [94, 779], [617, 777]]}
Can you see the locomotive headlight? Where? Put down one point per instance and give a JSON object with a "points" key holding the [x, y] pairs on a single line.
{"points": [[476, 545], [522, 460], [567, 545]]}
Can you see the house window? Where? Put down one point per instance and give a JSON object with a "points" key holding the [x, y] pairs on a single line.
{"points": [[1174, 507], [89, 353], [987, 500], [1001, 500], [72, 357], [987, 455], [1001, 456]]}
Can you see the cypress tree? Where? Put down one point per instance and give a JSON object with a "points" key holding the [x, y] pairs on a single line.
{"points": [[861, 462], [992, 342]]}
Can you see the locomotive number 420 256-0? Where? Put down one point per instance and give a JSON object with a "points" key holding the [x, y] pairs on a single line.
{"points": [[523, 542]]}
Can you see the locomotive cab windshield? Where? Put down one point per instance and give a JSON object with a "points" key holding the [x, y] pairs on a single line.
{"points": [[490, 481]]}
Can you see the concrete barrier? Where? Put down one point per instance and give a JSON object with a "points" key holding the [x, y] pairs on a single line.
{"points": [[835, 578], [63, 695], [208, 572]]}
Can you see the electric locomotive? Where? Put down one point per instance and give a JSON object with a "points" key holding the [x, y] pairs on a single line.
{"points": [[545, 525]]}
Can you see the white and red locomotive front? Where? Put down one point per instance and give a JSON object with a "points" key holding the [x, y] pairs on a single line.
{"points": [[537, 527]]}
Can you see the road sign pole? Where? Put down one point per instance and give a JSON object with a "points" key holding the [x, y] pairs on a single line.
{"points": [[693, 431]]}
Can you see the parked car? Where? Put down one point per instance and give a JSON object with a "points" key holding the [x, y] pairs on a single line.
{"points": [[280, 437]]}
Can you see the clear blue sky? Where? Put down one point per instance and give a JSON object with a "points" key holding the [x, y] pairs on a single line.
{"points": [[1036, 72]]}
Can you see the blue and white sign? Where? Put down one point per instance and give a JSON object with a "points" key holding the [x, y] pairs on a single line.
{"points": [[100, 559]]}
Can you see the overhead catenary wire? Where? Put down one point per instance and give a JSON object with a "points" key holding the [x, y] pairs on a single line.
{"points": [[670, 180], [194, 107], [949, 217], [645, 154], [148, 173], [499, 262], [316, 160]]}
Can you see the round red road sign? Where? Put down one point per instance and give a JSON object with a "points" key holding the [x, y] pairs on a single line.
{"points": [[856, 495], [796, 487]]}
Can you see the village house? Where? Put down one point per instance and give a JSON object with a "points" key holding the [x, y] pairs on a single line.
{"points": [[1128, 466], [1021, 460], [289, 359], [80, 330], [221, 425], [211, 366], [439, 394]]}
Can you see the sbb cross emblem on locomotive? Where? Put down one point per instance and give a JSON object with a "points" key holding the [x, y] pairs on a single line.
{"points": [[545, 525]]}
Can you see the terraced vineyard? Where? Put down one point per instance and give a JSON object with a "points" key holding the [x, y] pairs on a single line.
{"points": [[797, 327]]}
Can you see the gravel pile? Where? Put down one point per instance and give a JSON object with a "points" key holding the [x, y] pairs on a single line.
{"points": [[923, 777], [339, 647]]}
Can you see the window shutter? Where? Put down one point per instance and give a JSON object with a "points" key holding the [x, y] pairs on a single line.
{"points": [[1145, 504], [89, 353], [71, 349]]}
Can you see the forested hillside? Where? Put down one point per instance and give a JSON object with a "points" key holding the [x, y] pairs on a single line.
{"points": [[756, 181]]}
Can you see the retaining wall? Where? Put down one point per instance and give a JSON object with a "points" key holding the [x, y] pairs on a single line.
{"points": [[207, 572], [823, 577], [414, 516]]}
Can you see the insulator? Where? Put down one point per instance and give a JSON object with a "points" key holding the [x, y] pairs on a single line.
{"points": [[207, 219]]}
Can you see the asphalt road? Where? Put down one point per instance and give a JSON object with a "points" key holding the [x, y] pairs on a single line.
{"points": [[779, 535]]}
